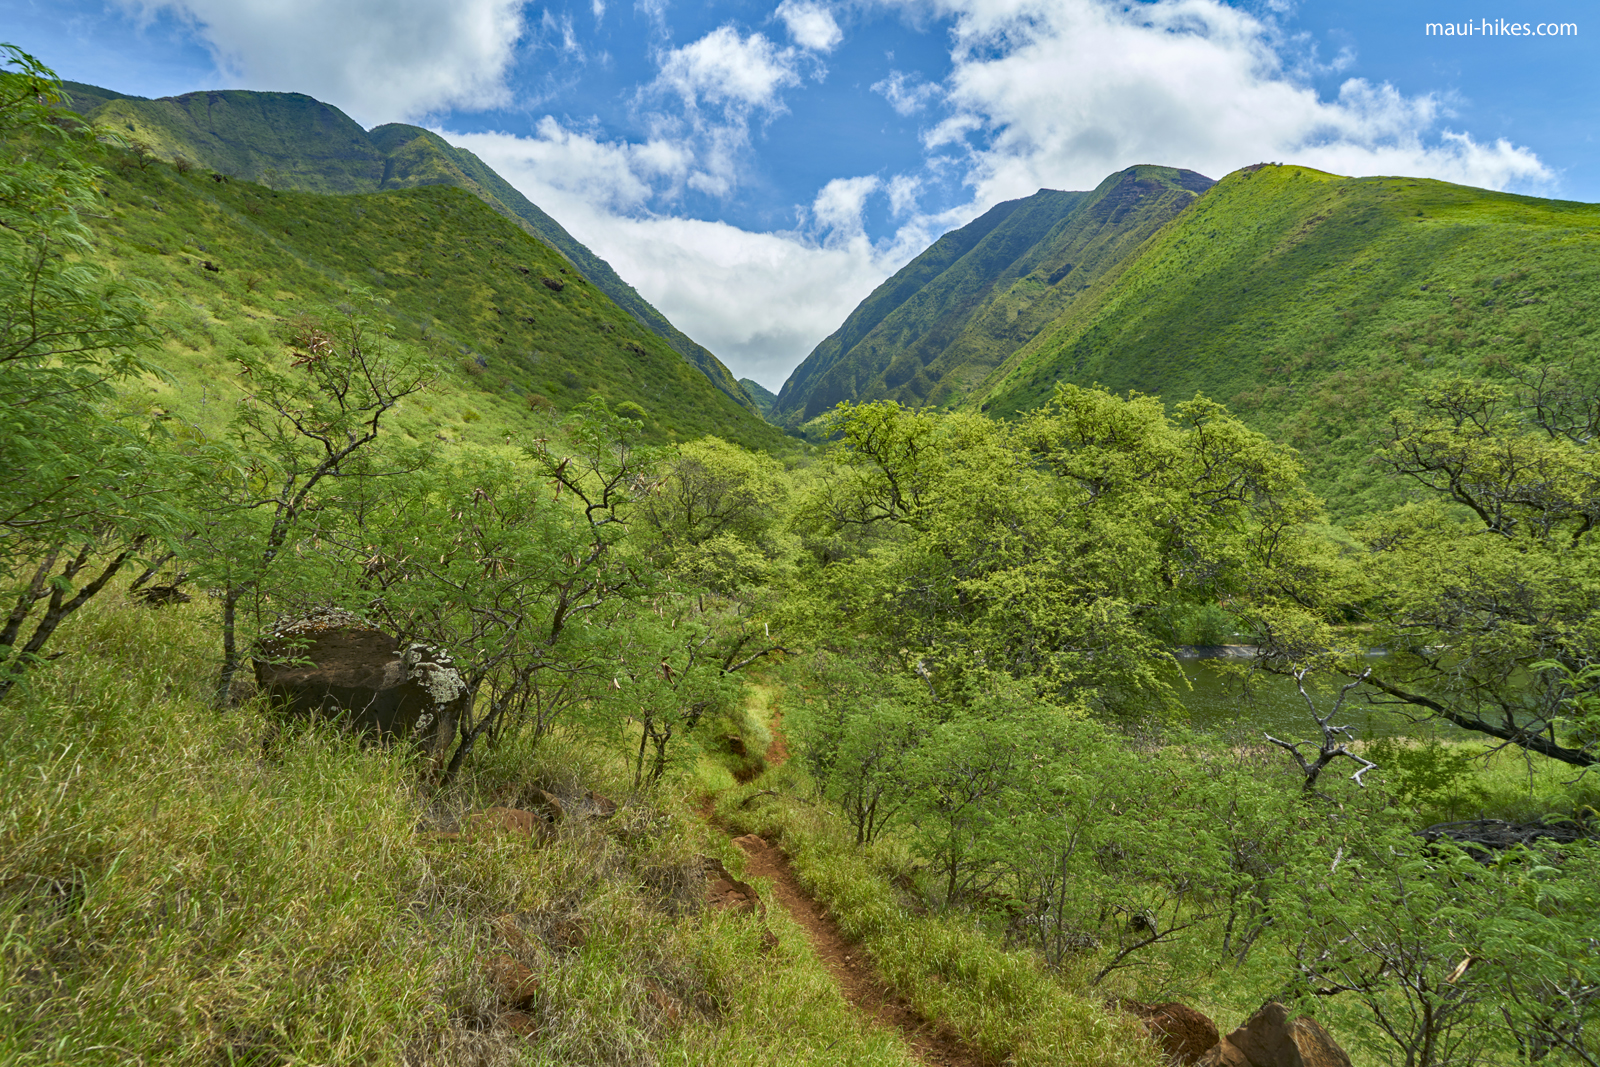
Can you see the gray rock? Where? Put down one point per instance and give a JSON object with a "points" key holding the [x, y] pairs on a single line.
{"points": [[331, 664]]}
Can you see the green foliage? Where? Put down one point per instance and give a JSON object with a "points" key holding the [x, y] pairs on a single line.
{"points": [[1002, 1004], [81, 483], [1051, 549], [1427, 774], [1307, 302], [1482, 592], [953, 314], [176, 891]]}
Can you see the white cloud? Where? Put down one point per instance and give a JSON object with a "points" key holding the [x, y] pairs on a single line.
{"points": [[903, 191], [760, 301], [839, 207], [709, 92], [906, 93], [724, 68], [1064, 92], [811, 25], [379, 60]]}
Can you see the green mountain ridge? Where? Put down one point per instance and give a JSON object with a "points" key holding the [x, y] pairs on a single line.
{"points": [[1310, 303], [292, 141], [947, 319], [516, 335], [763, 396]]}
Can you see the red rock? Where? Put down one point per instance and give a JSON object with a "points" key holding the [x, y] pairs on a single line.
{"points": [[1269, 1038], [1183, 1033], [666, 1006], [1223, 1054], [507, 821], [520, 1023], [548, 805], [723, 890]]}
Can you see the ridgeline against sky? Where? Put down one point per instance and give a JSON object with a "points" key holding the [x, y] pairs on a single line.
{"points": [[756, 169]]}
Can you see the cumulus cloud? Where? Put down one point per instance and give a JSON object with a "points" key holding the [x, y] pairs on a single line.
{"points": [[906, 93], [839, 207], [903, 191], [1060, 93], [709, 92], [811, 25], [379, 60], [727, 69]]}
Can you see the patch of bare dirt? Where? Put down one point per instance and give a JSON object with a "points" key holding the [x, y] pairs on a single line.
{"points": [[858, 980]]}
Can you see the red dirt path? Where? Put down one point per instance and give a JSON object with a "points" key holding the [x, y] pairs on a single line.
{"points": [[863, 987]]}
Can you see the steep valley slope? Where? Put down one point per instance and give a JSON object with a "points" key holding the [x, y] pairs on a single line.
{"points": [[957, 311], [515, 333], [1311, 303], [289, 141]]}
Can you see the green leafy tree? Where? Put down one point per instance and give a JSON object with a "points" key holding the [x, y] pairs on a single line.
{"points": [[1482, 592], [518, 566], [1049, 549], [83, 485], [303, 454]]}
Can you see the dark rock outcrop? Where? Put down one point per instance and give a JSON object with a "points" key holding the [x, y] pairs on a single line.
{"points": [[1269, 1038], [331, 664]]}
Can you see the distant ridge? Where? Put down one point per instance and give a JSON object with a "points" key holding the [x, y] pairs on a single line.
{"points": [[1311, 303], [945, 321], [763, 396], [292, 141]]}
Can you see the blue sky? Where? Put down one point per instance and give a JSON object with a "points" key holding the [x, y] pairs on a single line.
{"points": [[756, 167]]}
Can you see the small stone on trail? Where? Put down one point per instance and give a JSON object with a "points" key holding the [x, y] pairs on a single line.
{"points": [[724, 891]]}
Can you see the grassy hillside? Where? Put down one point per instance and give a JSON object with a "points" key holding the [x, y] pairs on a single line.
{"points": [[763, 396], [1309, 303], [291, 141], [518, 334], [956, 312]]}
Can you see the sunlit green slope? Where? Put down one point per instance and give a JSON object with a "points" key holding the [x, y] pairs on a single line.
{"points": [[953, 314], [1308, 303], [291, 141], [464, 285]]}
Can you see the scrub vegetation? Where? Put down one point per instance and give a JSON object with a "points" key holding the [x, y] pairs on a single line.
{"points": [[931, 662]]}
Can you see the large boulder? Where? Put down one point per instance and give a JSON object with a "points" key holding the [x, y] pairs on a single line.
{"points": [[331, 664], [1183, 1033], [1269, 1038]]}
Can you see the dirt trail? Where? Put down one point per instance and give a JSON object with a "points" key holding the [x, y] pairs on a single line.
{"points": [[858, 979]]}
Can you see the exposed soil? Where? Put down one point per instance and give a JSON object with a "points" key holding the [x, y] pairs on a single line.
{"points": [[858, 979], [778, 751]]}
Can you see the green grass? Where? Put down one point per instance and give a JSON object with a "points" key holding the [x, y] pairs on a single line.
{"points": [[464, 286], [1003, 1004], [179, 886], [1309, 304]]}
